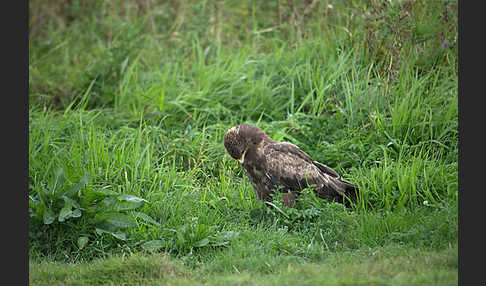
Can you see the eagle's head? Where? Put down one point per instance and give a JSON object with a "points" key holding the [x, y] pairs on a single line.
{"points": [[243, 139]]}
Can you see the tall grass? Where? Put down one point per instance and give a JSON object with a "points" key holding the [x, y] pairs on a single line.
{"points": [[126, 123]]}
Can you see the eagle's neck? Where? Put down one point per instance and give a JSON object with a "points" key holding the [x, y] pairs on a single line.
{"points": [[255, 169], [255, 155], [267, 140]]}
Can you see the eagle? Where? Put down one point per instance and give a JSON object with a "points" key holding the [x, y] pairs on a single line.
{"points": [[282, 166]]}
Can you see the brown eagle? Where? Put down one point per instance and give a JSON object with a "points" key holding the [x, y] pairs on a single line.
{"points": [[273, 165]]}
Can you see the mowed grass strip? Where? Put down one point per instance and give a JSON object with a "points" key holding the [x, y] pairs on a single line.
{"points": [[389, 265]]}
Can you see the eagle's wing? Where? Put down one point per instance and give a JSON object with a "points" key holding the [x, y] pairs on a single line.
{"points": [[286, 165]]}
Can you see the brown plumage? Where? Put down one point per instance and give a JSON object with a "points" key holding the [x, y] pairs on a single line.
{"points": [[272, 165]]}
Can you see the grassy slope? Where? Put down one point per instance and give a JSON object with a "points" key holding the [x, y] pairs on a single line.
{"points": [[118, 111]]}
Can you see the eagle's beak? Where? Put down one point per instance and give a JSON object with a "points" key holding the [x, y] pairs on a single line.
{"points": [[242, 159]]}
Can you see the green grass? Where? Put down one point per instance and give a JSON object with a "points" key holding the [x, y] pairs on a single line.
{"points": [[129, 182], [381, 266]]}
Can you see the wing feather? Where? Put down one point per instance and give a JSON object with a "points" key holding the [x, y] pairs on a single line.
{"points": [[296, 151], [326, 169], [287, 166]]}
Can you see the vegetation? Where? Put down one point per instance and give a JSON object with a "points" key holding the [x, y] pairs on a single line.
{"points": [[129, 179]]}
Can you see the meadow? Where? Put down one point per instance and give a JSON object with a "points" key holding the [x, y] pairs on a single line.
{"points": [[129, 181]]}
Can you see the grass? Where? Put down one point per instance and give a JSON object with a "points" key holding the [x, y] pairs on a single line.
{"points": [[129, 182], [383, 266]]}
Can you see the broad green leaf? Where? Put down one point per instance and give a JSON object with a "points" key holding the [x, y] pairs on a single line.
{"points": [[220, 243], [202, 242], [65, 212], [223, 238], [118, 234], [228, 234], [48, 216], [82, 241], [119, 219], [123, 206], [76, 213], [73, 202], [104, 192], [108, 201], [84, 181], [153, 245], [146, 218], [130, 198]]}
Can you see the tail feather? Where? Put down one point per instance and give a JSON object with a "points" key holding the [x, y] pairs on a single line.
{"points": [[339, 191], [351, 193]]}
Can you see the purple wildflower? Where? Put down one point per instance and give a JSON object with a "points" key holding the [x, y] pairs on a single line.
{"points": [[444, 44]]}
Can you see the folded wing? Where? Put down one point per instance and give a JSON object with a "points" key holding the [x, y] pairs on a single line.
{"points": [[287, 166]]}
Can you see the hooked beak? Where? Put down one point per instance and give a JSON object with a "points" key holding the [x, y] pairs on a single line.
{"points": [[242, 159]]}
